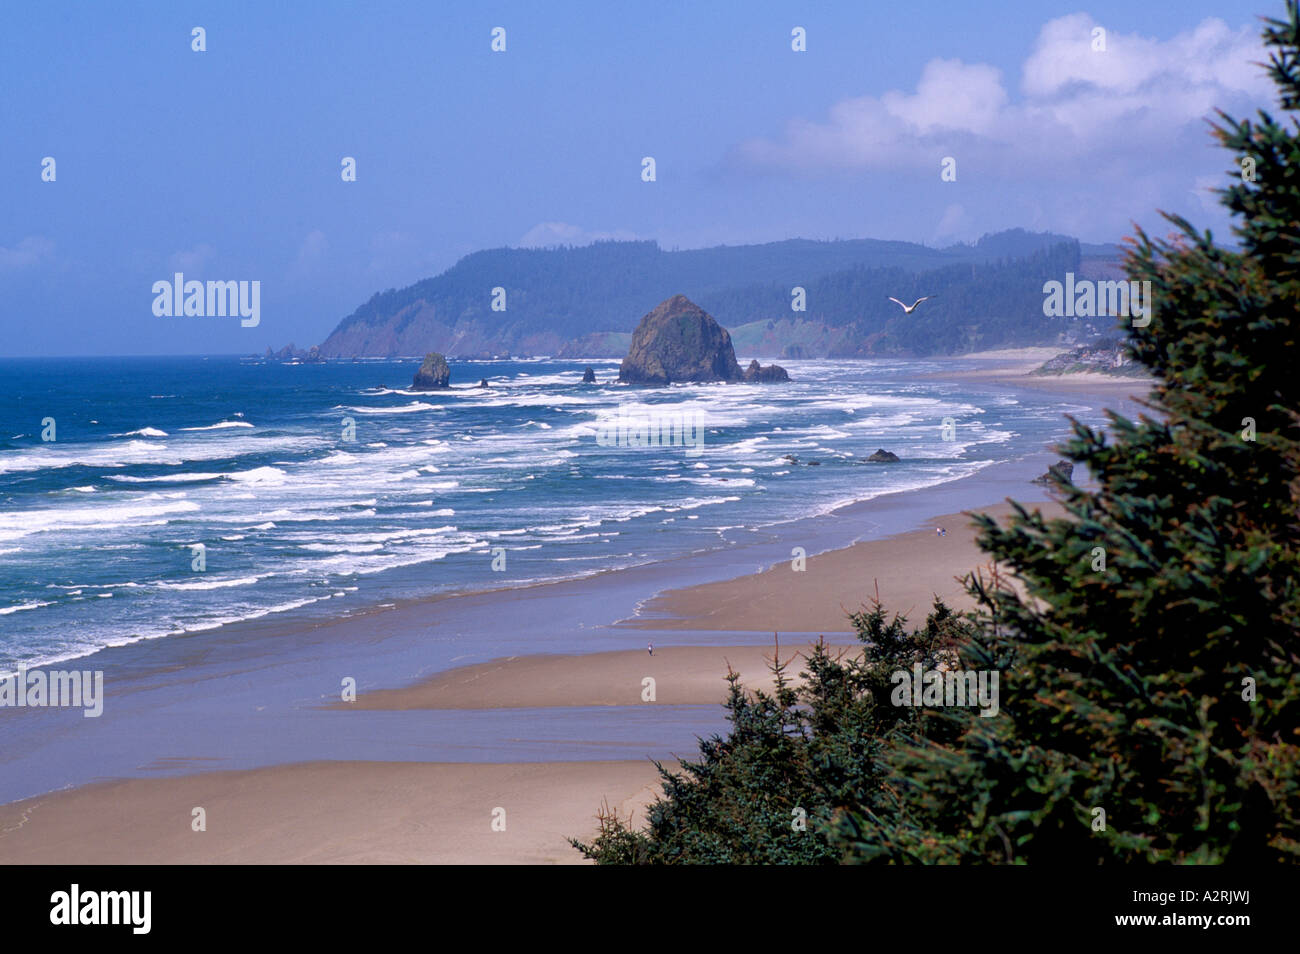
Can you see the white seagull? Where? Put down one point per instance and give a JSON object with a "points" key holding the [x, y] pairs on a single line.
{"points": [[908, 309]]}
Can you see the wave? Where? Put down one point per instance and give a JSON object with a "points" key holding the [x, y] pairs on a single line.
{"points": [[165, 478], [219, 426], [151, 453], [16, 524], [259, 475], [218, 584], [399, 409], [6, 610]]}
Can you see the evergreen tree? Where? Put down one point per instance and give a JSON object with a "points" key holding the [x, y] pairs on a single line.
{"points": [[767, 792], [1148, 642], [1150, 661]]}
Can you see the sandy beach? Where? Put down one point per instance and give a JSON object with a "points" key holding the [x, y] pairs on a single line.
{"points": [[907, 571], [329, 813], [387, 812], [682, 675], [419, 811]]}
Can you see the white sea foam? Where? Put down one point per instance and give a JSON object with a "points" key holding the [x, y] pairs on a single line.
{"points": [[402, 409], [219, 426], [214, 584], [6, 610], [20, 523], [260, 475], [166, 478]]}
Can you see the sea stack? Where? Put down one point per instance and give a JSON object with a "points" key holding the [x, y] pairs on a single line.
{"points": [[434, 375], [771, 374], [679, 341], [588, 376], [882, 456], [1062, 470]]}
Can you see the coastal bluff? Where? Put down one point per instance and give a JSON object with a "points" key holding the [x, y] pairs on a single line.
{"points": [[680, 341]]}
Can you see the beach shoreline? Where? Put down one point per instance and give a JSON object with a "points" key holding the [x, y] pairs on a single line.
{"points": [[430, 692]]}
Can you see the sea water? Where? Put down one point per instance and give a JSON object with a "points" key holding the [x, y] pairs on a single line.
{"points": [[180, 494]]}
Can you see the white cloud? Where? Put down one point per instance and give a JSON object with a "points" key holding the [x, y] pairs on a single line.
{"points": [[546, 234], [1078, 109], [950, 95], [31, 250]]}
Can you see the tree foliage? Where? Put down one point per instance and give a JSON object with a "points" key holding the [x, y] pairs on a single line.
{"points": [[792, 755], [1148, 641]]}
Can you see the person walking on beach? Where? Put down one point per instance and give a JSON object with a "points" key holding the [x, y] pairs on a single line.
{"points": [[651, 649]]}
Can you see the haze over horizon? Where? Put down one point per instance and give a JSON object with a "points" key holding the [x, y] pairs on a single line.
{"points": [[225, 164]]}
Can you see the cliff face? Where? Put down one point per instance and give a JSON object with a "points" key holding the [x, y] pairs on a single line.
{"points": [[679, 341]]}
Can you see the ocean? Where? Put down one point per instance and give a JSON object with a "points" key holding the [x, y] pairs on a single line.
{"points": [[181, 494]]}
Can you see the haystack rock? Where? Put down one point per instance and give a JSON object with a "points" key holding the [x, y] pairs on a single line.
{"points": [[882, 456], [433, 374], [679, 341], [772, 374], [589, 376]]}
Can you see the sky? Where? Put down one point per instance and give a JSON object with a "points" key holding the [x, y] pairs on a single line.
{"points": [[226, 164]]}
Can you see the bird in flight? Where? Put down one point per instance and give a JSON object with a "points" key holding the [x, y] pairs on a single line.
{"points": [[908, 309]]}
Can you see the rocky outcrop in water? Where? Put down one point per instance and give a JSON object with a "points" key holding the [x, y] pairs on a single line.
{"points": [[1062, 469], [882, 456], [771, 374], [433, 374], [589, 376], [289, 354], [679, 341]]}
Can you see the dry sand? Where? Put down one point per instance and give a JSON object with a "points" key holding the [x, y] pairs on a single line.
{"points": [[908, 569], [683, 675], [330, 813]]}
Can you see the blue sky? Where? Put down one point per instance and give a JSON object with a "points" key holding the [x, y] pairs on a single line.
{"points": [[225, 164]]}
